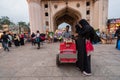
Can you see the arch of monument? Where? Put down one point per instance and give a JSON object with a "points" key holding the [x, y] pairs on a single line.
{"points": [[48, 14], [67, 15]]}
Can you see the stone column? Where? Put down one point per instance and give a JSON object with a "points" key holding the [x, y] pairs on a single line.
{"points": [[100, 14], [96, 14], [35, 15], [105, 13]]}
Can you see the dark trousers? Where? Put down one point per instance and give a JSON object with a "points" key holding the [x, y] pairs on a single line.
{"points": [[21, 41], [33, 42], [84, 63], [5, 46], [87, 64], [10, 44], [17, 43], [38, 44]]}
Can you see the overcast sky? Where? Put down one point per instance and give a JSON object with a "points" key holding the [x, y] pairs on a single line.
{"points": [[17, 10]]}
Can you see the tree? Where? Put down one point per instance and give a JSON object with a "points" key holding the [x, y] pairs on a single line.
{"points": [[0, 24], [23, 25], [1, 27], [28, 24], [5, 20], [28, 27]]}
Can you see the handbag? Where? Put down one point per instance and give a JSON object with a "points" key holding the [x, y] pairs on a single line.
{"points": [[89, 47]]}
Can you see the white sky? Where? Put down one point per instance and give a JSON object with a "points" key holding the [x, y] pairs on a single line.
{"points": [[17, 10]]}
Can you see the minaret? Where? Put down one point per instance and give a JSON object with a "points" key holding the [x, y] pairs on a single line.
{"points": [[35, 15], [100, 14]]}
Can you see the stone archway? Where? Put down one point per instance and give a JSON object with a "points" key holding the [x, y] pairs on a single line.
{"points": [[68, 15]]}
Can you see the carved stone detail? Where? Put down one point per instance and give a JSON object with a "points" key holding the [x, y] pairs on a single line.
{"points": [[37, 1]]}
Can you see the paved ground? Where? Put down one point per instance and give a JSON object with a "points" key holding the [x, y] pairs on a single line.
{"points": [[28, 63], [0, 46]]}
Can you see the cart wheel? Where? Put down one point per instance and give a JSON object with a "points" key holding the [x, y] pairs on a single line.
{"points": [[57, 60]]}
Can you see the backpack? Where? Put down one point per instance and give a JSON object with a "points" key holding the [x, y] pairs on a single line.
{"points": [[37, 39], [42, 38]]}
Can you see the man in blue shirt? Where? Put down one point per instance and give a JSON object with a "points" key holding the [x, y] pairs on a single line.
{"points": [[67, 34]]}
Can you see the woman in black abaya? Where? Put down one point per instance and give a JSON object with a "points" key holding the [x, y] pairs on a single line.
{"points": [[84, 32]]}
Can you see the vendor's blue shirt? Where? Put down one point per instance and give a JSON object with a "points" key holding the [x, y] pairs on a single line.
{"points": [[67, 34]]}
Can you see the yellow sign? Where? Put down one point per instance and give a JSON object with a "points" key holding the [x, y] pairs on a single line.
{"points": [[118, 24]]}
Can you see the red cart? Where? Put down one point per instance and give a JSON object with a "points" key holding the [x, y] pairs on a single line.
{"points": [[67, 53]]}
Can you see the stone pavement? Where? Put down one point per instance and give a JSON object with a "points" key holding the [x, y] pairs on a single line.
{"points": [[28, 63], [0, 47]]}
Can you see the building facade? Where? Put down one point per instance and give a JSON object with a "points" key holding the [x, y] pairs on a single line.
{"points": [[48, 14]]}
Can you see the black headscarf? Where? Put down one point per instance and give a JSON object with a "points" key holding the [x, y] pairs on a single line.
{"points": [[85, 26], [77, 27], [88, 31], [83, 22]]}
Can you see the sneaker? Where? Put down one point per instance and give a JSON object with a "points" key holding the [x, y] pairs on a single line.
{"points": [[87, 74]]}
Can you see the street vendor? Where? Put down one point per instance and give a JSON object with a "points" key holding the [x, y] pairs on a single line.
{"points": [[67, 33]]}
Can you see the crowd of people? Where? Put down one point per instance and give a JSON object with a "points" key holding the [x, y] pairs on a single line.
{"points": [[7, 39], [84, 32], [37, 38], [106, 38]]}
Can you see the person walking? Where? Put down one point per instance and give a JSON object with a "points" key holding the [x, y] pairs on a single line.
{"points": [[117, 34], [22, 39], [38, 39], [33, 38], [10, 40], [5, 40], [83, 33]]}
